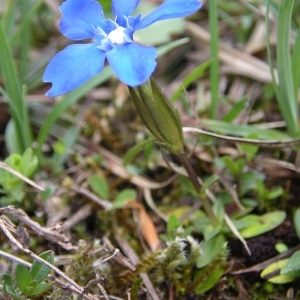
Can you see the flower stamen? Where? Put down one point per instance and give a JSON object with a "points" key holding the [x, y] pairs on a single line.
{"points": [[118, 36]]}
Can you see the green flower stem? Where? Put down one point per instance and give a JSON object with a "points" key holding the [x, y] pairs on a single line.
{"points": [[194, 178]]}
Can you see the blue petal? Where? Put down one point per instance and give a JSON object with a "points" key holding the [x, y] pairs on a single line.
{"points": [[80, 17], [72, 67], [132, 21], [122, 8], [170, 9], [133, 64]]}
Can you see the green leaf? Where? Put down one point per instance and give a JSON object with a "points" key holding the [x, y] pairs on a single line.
{"points": [[210, 282], [135, 150], [297, 222], [249, 181], [59, 147], [26, 165], [210, 249], [23, 278], [255, 225], [15, 161], [12, 142], [211, 231], [134, 169], [39, 289], [7, 280], [276, 267], [208, 182], [250, 150], [234, 168], [187, 185], [40, 271], [26, 158], [99, 186], [292, 268], [8, 287], [237, 108], [274, 193], [47, 193], [123, 197], [243, 130], [219, 210], [190, 78], [281, 247], [29, 162], [63, 147], [172, 225]]}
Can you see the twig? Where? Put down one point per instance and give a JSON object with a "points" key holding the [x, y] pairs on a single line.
{"points": [[79, 216], [15, 259], [236, 232], [262, 161], [266, 144], [84, 192], [264, 264], [149, 200], [232, 192], [117, 256], [51, 234]]}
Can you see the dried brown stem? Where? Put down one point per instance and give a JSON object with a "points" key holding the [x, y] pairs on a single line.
{"points": [[51, 234]]}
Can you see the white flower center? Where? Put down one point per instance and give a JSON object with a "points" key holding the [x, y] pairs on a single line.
{"points": [[117, 36]]}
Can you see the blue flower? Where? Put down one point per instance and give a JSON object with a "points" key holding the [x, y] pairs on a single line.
{"points": [[112, 40]]}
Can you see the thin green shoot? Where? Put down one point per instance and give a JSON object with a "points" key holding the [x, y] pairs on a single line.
{"points": [[24, 41], [286, 87], [214, 49], [15, 96]]}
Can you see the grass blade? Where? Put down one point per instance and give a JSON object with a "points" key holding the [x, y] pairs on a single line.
{"points": [[190, 78], [287, 98], [16, 99], [214, 49], [296, 63], [24, 41], [243, 130]]}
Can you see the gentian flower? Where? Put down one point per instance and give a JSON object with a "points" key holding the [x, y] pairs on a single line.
{"points": [[111, 39]]}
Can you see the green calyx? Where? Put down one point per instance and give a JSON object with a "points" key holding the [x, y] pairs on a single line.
{"points": [[158, 115]]}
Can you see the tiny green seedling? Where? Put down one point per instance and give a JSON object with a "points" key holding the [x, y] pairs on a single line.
{"points": [[28, 283], [12, 186]]}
